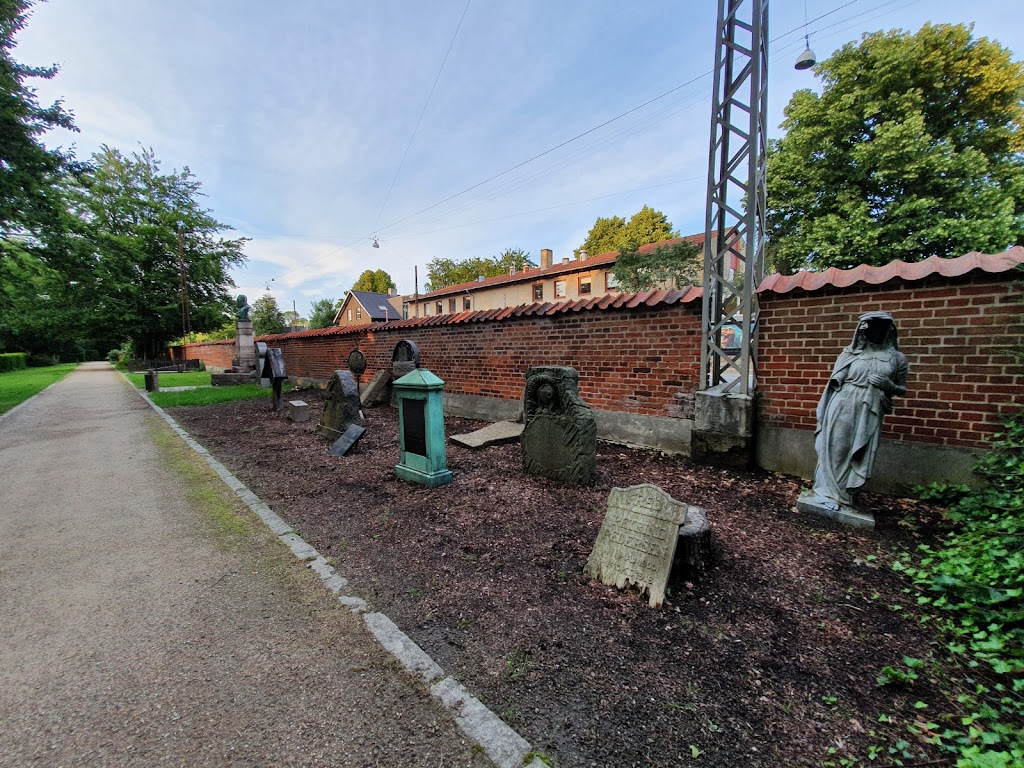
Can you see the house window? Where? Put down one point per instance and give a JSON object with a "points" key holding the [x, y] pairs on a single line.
{"points": [[405, 311], [467, 303], [359, 313], [559, 289], [440, 308], [610, 283], [584, 286], [426, 310], [350, 315], [538, 291], [451, 305]]}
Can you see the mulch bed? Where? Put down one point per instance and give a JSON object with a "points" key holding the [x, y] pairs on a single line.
{"points": [[769, 659]]}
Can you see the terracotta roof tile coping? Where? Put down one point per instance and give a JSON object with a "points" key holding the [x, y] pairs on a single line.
{"points": [[918, 270]]}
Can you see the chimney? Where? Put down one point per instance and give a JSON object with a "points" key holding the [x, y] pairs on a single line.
{"points": [[584, 255], [480, 278], [546, 257], [565, 259]]}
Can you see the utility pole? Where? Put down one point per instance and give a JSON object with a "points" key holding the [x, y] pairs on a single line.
{"points": [[734, 233], [186, 313]]}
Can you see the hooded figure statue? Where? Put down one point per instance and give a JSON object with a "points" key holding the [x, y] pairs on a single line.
{"points": [[867, 375]]}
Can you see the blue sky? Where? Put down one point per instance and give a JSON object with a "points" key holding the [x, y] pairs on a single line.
{"points": [[295, 116]]}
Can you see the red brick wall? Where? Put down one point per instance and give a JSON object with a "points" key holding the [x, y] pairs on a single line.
{"points": [[214, 354], [956, 334]]}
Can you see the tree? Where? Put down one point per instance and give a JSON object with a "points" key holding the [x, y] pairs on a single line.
{"points": [[678, 264], [267, 318], [293, 319], [28, 170], [321, 313], [126, 218], [377, 281], [616, 234], [913, 148], [444, 272]]}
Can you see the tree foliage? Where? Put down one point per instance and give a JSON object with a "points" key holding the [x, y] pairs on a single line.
{"points": [[615, 233], [913, 148], [267, 317], [375, 281], [443, 272], [321, 313], [678, 264], [126, 217]]}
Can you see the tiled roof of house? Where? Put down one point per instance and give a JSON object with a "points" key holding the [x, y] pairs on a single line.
{"points": [[562, 267], [918, 270], [375, 304], [809, 281]]}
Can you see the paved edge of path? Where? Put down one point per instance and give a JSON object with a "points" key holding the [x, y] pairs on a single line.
{"points": [[502, 744]]}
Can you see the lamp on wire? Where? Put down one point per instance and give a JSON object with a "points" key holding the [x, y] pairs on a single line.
{"points": [[806, 60], [375, 243]]}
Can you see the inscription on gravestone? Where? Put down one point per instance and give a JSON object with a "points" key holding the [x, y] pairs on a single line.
{"points": [[637, 541], [415, 426]]}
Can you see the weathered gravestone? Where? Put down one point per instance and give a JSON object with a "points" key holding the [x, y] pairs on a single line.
{"points": [[421, 429], [152, 379], [637, 541], [273, 369], [560, 435], [342, 407], [261, 354], [405, 358], [347, 441]]}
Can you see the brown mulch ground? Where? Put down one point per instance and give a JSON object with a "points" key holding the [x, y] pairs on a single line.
{"points": [[770, 659]]}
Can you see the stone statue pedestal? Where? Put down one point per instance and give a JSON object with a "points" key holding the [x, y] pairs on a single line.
{"points": [[815, 505], [245, 347]]}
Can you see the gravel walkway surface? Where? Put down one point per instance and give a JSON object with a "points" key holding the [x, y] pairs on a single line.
{"points": [[135, 631]]}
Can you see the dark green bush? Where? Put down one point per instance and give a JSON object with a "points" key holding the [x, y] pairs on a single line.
{"points": [[13, 361], [43, 361]]}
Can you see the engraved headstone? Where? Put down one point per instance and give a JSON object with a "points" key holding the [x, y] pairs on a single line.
{"points": [[273, 369], [560, 434], [342, 407], [404, 358], [347, 441], [637, 541]]}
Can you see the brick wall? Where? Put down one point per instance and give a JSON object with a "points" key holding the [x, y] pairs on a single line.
{"points": [[214, 354], [954, 331], [956, 334]]}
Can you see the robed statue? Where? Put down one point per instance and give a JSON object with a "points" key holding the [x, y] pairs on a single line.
{"points": [[869, 373]]}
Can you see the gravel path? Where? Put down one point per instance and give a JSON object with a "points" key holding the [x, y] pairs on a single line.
{"points": [[135, 631]]}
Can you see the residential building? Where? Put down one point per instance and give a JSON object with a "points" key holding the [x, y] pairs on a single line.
{"points": [[551, 282], [364, 307]]}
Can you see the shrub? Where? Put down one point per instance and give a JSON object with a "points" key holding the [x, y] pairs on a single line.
{"points": [[43, 361], [13, 361]]}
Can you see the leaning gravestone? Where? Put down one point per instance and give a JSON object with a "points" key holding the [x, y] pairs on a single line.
{"points": [[273, 369], [560, 435], [347, 441], [342, 407], [637, 541], [261, 354]]}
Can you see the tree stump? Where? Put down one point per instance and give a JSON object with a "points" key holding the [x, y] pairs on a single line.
{"points": [[696, 550]]}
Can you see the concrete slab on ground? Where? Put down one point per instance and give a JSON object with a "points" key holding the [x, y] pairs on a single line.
{"points": [[499, 433]]}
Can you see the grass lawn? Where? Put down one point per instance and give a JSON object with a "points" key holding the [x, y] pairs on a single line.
{"points": [[190, 379], [209, 395], [18, 386]]}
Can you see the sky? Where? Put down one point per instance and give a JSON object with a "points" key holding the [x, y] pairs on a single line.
{"points": [[317, 125]]}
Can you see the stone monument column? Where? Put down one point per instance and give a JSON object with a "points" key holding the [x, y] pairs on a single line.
{"points": [[245, 348]]}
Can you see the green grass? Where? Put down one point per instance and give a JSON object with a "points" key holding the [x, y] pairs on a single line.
{"points": [[210, 395], [18, 386], [190, 379]]}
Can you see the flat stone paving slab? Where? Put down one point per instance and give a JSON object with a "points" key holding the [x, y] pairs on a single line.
{"points": [[499, 433]]}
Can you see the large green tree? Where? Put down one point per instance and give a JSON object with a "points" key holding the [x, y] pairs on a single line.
{"points": [[913, 148], [679, 264], [443, 272], [375, 281], [267, 317], [615, 233], [128, 215], [321, 313]]}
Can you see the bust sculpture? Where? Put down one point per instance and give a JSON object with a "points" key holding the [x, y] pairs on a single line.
{"points": [[865, 378], [242, 311]]}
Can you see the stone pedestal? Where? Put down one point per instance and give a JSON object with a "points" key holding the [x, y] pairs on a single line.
{"points": [[815, 505], [152, 378], [723, 429], [298, 410], [245, 348]]}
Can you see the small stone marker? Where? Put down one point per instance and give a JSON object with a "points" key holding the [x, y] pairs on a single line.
{"points": [[347, 441], [152, 379], [499, 433], [298, 410], [342, 407], [637, 541]]}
